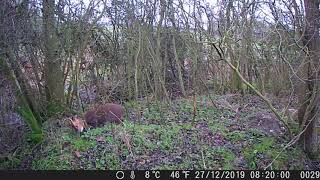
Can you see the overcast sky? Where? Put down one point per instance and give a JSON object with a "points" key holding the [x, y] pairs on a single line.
{"points": [[263, 11]]}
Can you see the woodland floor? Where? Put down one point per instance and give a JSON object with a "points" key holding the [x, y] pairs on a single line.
{"points": [[240, 134]]}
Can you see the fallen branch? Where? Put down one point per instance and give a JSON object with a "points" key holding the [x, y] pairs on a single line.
{"points": [[290, 143], [236, 70], [278, 115]]}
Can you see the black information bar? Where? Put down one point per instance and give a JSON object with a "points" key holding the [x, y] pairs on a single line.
{"points": [[163, 174]]}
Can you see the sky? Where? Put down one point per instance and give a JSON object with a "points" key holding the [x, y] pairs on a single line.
{"points": [[263, 11]]}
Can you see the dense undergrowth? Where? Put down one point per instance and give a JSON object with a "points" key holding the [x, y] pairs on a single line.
{"points": [[164, 136]]}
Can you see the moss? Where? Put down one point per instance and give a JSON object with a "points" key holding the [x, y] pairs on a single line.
{"points": [[54, 109], [36, 136]]}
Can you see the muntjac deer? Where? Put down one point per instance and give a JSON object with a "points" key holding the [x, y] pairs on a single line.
{"points": [[105, 113]]}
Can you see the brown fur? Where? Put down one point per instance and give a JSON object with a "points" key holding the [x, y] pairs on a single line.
{"points": [[104, 113]]}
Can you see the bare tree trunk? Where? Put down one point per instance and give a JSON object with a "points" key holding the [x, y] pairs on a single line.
{"points": [[160, 88], [309, 112], [53, 73], [136, 66], [27, 110], [298, 85], [178, 66]]}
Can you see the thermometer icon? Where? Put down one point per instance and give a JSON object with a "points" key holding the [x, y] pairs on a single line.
{"points": [[132, 176]]}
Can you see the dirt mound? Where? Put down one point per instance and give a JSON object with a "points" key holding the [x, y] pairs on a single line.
{"points": [[265, 122]]}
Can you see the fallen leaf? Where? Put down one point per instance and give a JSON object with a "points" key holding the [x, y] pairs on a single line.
{"points": [[142, 161], [77, 154]]}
